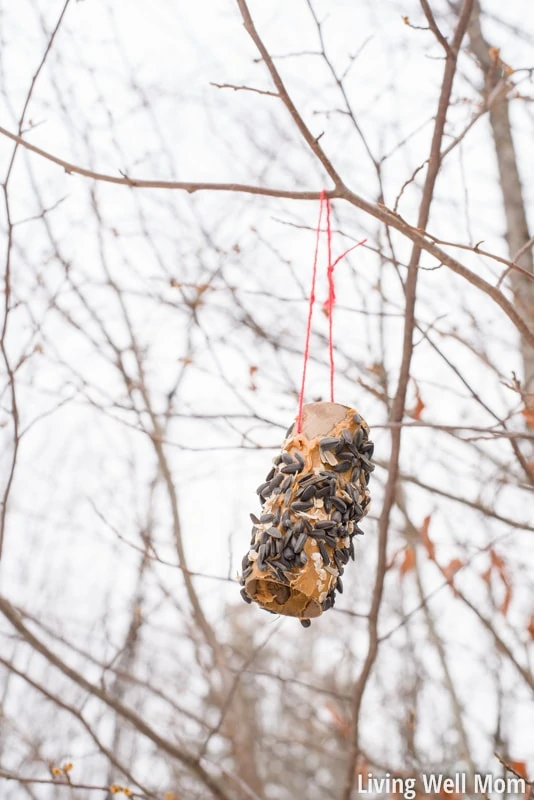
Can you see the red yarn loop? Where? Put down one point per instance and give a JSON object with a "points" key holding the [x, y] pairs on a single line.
{"points": [[328, 305]]}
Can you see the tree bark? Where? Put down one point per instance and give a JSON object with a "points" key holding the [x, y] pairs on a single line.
{"points": [[520, 242]]}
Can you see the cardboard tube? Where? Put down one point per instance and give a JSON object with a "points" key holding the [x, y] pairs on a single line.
{"points": [[277, 578]]}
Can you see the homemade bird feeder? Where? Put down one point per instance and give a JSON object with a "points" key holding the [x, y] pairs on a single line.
{"points": [[312, 499]]}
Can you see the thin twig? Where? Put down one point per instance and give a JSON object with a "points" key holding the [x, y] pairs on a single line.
{"points": [[243, 89]]}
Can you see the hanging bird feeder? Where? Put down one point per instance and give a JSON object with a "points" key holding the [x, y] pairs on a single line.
{"points": [[312, 499]]}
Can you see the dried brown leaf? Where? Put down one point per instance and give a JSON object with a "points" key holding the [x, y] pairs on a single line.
{"points": [[426, 540], [419, 405], [408, 562], [450, 571], [520, 767]]}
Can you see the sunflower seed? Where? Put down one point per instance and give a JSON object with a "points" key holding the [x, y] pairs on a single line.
{"points": [[279, 572], [324, 553], [277, 480], [343, 466], [298, 506], [324, 525], [341, 446], [328, 442], [346, 455], [299, 544], [338, 503], [245, 596], [290, 469], [329, 458], [308, 493], [286, 483], [339, 585], [367, 464], [286, 458], [358, 437], [260, 563], [275, 533], [287, 538]]}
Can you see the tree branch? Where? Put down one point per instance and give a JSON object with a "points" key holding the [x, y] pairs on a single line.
{"points": [[399, 401], [188, 760]]}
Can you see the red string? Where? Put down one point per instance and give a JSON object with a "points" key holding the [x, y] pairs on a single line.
{"points": [[328, 305], [331, 299], [310, 313]]}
